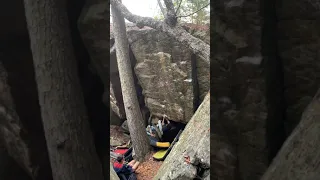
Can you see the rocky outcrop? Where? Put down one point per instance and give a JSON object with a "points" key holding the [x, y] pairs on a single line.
{"points": [[239, 81], [194, 142], [164, 71], [93, 25], [298, 158], [163, 63], [222, 151], [117, 137], [266, 66], [299, 43], [153, 49], [159, 62]]}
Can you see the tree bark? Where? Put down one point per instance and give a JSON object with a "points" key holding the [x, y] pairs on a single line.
{"points": [[138, 134], [299, 156], [171, 18], [67, 130], [163, 11], [198, 46]]}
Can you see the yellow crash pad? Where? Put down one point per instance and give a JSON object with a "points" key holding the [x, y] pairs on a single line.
{"points": [[163, 144], [160, 155]]}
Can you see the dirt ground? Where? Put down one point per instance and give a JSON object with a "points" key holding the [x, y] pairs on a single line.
{"points": [[148, 169]]}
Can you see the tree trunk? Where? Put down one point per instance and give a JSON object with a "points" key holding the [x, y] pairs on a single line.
{"points": [[138, 134], [67, 130], [163, 11], [299, 156]]}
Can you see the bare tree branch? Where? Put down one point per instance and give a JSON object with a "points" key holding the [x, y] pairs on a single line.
{"points": [[162, 8], [178, 6], [196, 11], [198, 46], [146, 21]]}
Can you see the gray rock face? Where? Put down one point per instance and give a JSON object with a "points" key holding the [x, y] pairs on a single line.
{"points": [[195, 143], [165, 78], [236, 61], [117, 137], [163, 63], [239, 74], [160, 63], [93, 26], [224, 164], [299, 43]]}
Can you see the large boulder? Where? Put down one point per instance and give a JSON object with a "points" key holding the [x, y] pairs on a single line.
{"points": [[298, 42], [195, 143], [223, 154], [117, 136], [167, 86], [259, 89], [238, 80], [163, 63], [148, 47], [93, 25]]}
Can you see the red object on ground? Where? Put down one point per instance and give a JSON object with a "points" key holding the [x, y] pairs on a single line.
{"points": [[117, 165], [121, 151]]}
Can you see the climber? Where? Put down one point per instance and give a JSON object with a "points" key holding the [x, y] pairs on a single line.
{"points": [[125, 171], [158, 130], [164, 127], [153, 133]]}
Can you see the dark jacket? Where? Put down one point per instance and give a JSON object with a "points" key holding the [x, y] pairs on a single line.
{"points": [[122, 168]]}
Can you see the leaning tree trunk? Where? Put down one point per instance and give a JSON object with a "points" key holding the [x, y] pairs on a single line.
{"points": [[67, 130], [299, 157], [130, 100]]}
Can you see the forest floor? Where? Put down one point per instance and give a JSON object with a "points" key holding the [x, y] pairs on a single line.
{"points": [[148, 169]]}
